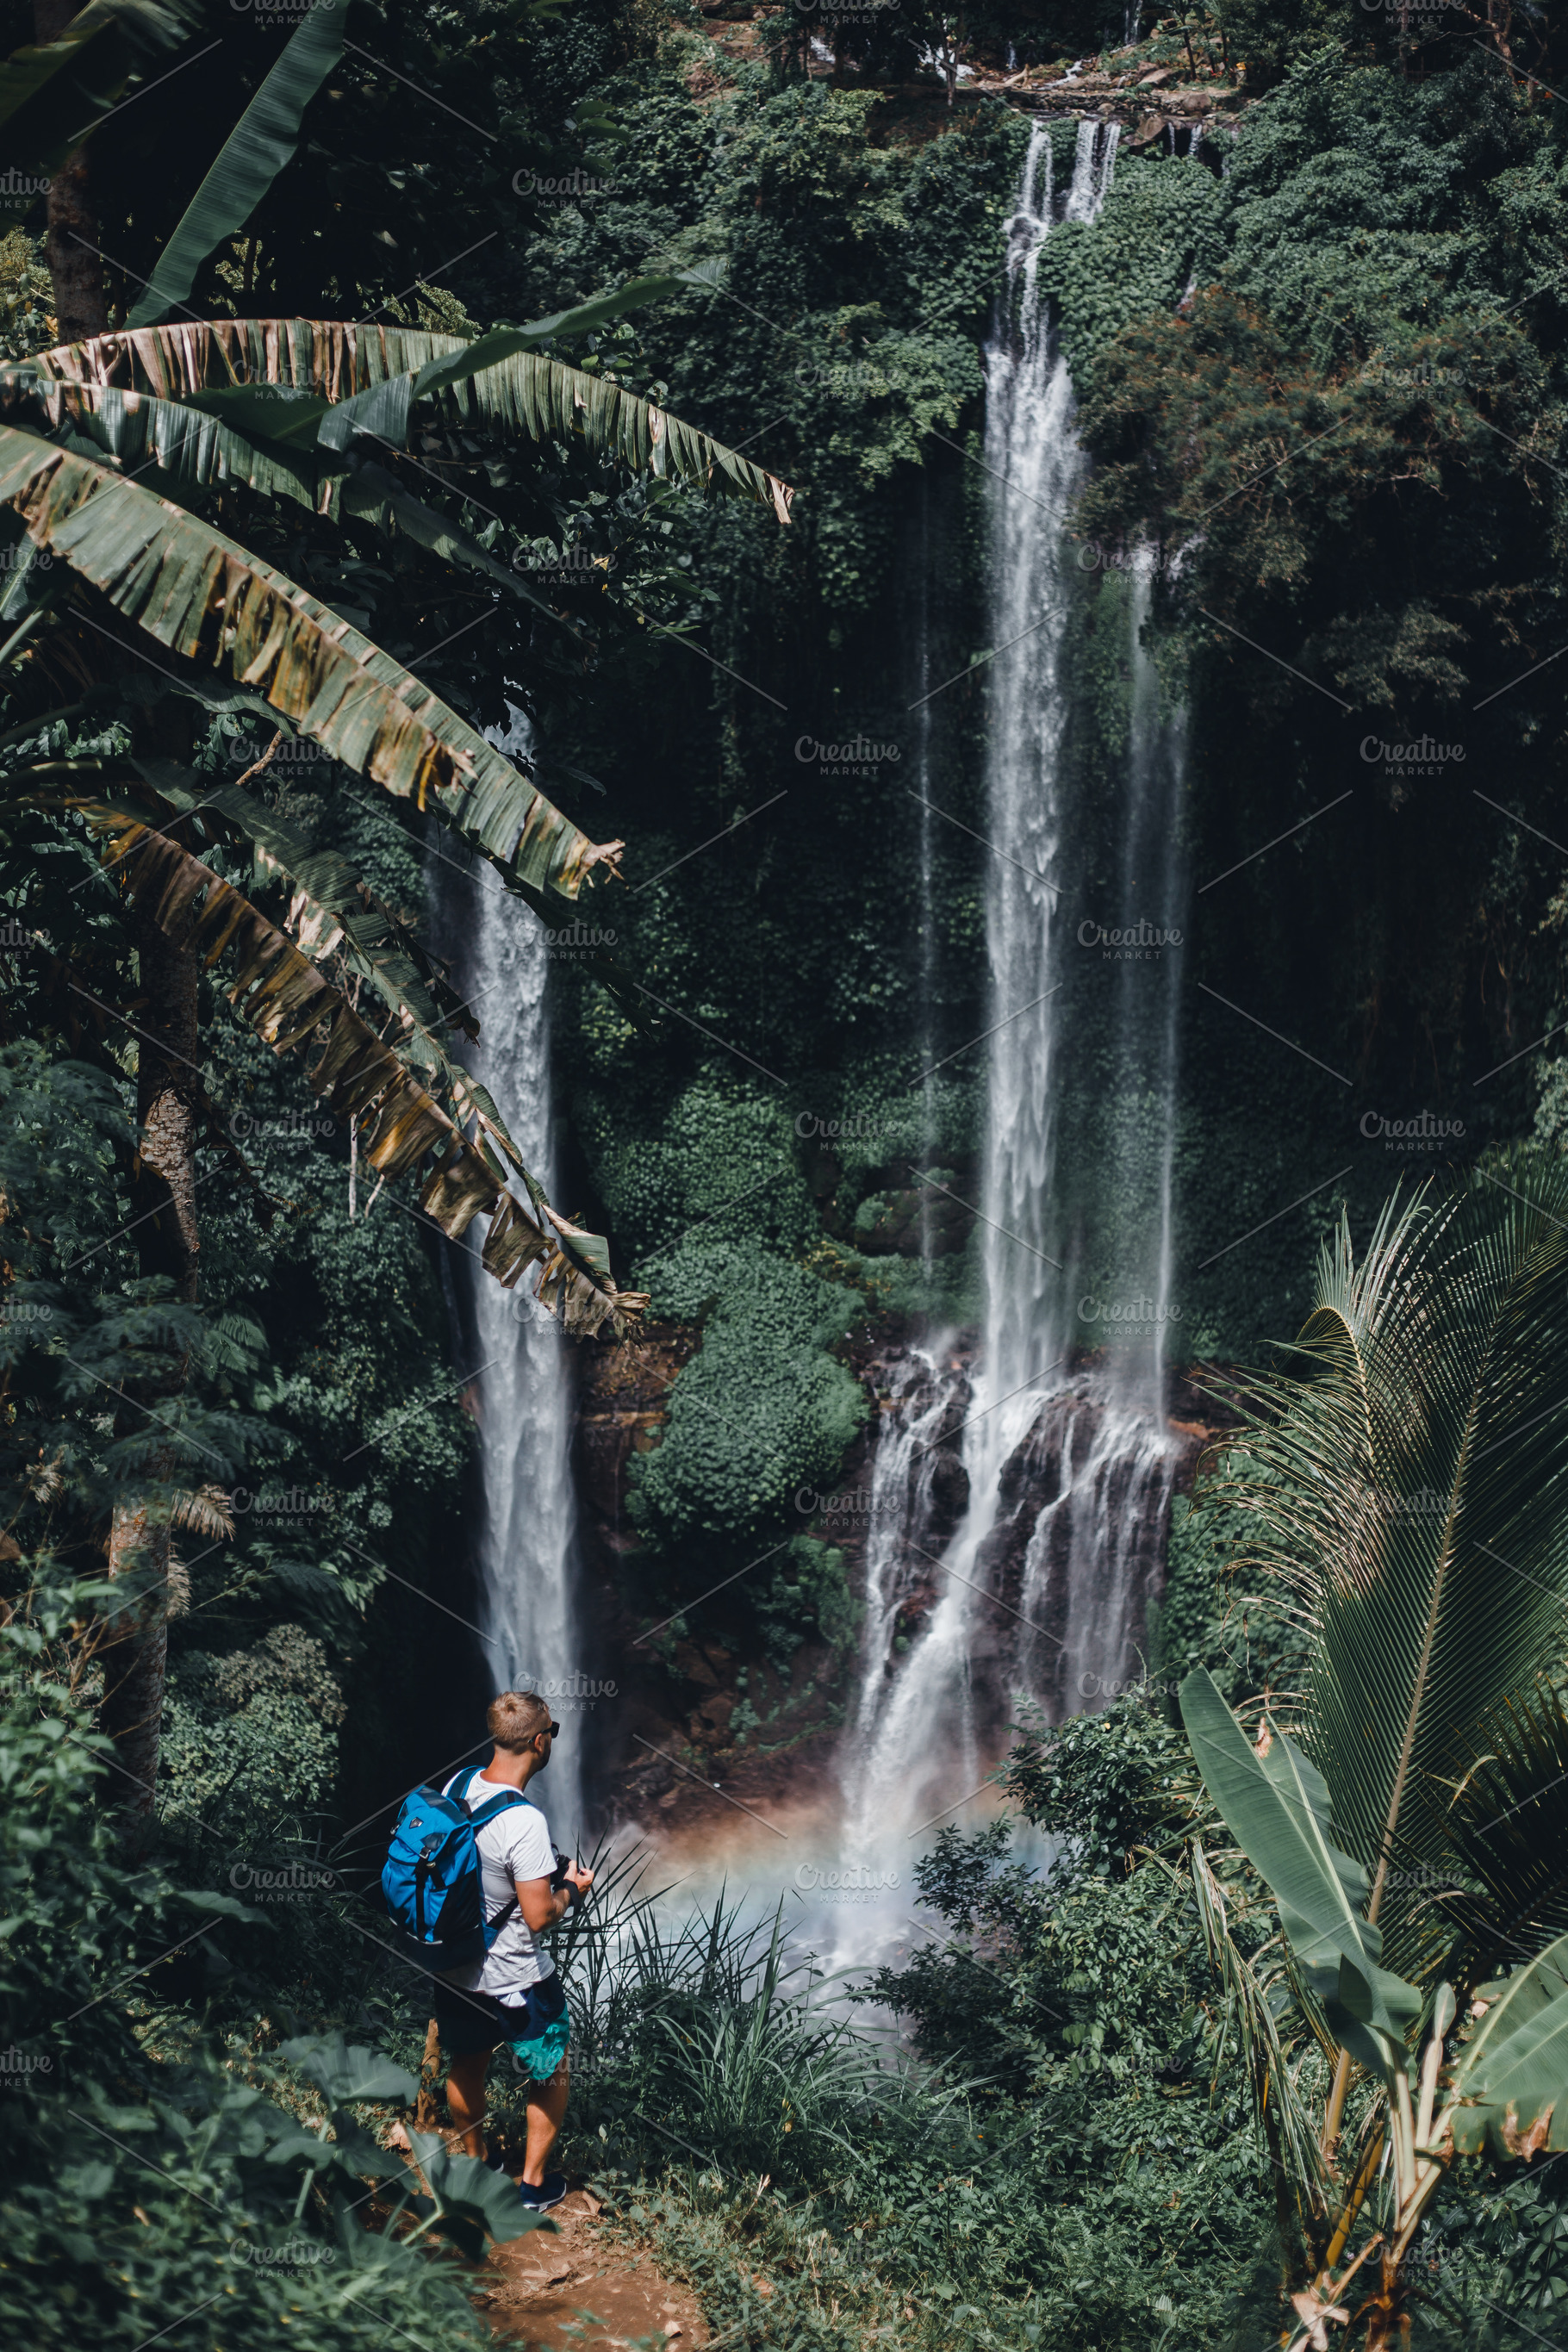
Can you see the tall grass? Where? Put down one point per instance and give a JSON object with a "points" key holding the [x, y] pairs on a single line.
{"points": [[708, 2039]]}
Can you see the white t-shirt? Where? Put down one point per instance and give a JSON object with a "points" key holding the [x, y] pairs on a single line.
{"points": [[516, 1844]]}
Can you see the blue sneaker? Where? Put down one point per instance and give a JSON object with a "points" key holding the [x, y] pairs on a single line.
{"points": [[549, 2192]]}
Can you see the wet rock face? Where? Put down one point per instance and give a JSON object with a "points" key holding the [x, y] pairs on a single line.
{"points": [[1077, 1553], [947, 1493]]}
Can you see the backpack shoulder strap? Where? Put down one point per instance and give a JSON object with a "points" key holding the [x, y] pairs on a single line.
{"points": [[500, 1803], [489, 1807], [494, 1805]]}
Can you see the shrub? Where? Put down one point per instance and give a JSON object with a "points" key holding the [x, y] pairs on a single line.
{"points": [[761, 1411]]}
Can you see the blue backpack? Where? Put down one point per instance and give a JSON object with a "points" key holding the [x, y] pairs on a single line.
{"points": [[432, 1883]]}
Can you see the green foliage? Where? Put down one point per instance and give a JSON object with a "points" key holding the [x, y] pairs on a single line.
{"points": [[760, 1412], [261, 143], [251, 1734], [1209, 1615], [134, 2185], [808, 1591], [1102, 1784], [1158, 231], [724, 1163]]}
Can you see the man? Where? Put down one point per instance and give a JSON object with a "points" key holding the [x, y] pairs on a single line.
{"points": [[514, 1994]]}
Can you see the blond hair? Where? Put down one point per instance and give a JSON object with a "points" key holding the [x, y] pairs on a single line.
{"points": [[516, 1719]]}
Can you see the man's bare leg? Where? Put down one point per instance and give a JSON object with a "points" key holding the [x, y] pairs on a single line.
{"points": [[546, 2113], [466, 2098]]}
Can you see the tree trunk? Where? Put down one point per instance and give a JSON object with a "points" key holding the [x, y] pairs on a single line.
{"points": [[162, 1195], [72, 244]]}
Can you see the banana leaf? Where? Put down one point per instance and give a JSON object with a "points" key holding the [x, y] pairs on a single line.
{"points": [[1276, 1806], [280, 994], [191, 447], [1510, 2080], [1250, 2026], [524, 392], [194, 448], [204, 596], [51, 93], [261, 143]]}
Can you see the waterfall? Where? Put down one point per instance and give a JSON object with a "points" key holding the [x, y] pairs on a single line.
{"points": [[922, 769], [1035, 463], [520, 1383], [1153, 897], [1066, 1473]]}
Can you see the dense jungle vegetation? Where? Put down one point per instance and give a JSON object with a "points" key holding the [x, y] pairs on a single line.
{"points": [[1320, 365]]}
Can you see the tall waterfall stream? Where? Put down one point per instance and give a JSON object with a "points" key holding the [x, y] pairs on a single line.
{"points": [[1015, 1502], [1050, 1610], [527, 1551]]}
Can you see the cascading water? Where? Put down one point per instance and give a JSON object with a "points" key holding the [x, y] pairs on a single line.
{"points": [[1068, 1477], [526, 1523], [1153, 897]]}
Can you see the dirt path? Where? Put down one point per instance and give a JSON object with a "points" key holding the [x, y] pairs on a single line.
{"points": [[537, 2287]]}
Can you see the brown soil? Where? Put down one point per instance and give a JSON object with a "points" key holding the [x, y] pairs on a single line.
{"points": [[572, 2290]]}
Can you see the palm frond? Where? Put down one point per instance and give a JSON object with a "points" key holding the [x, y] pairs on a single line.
{"points": [[280, 994], [1410, 1483], [137, 430], [1507, 1821], [206, 1510], [326, 361], [200, 593]]}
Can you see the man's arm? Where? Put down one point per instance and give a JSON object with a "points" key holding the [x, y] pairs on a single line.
{"points": [[541, 1904]]}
